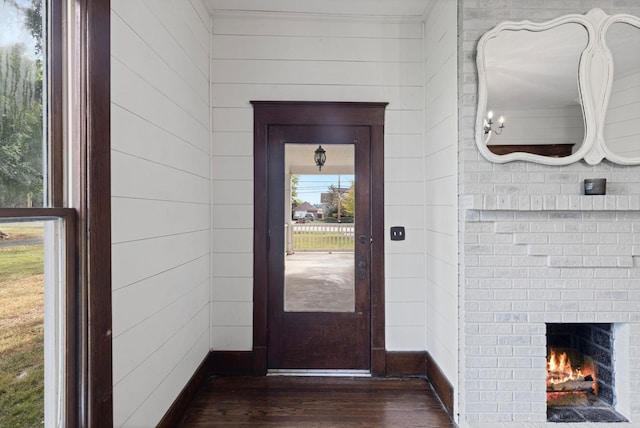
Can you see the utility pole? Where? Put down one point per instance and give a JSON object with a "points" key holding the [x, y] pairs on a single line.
{"points": [[339, 200]]}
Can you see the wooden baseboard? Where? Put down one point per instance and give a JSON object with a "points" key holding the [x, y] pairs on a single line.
{"points": [[259, 361], [413, 363], [378, 362], [253, 363], [176, 412], [440, 384], [232, 363], [243, 363]]}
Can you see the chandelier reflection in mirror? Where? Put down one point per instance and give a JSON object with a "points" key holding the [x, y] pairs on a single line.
{"points": [[320, 157], [488, 124]]}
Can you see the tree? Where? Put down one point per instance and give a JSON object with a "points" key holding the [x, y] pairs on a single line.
{"points": [[21, 116], [339, 196], [349, 201], [332, 205], [295, 179]]}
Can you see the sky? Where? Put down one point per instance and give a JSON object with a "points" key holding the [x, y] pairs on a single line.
{"points": [[12, 29], [310, 186]]}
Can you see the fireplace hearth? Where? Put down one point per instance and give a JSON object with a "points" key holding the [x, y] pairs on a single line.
{"points": [[582, 408], [580, 373]]}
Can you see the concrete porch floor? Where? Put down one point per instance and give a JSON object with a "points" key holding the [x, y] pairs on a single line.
{"points": [[319, 282]]}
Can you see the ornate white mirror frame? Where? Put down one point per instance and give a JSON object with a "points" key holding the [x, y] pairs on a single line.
{"points": [[595, 73]]}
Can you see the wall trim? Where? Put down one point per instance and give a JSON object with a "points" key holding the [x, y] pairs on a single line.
{"points": [[403, 363], [91, 100], [406, 363], [185, 399], [440, 384], [232, 363]]}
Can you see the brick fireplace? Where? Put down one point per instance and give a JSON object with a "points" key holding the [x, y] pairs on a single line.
{"points": [[581, 372], [535, 261]]}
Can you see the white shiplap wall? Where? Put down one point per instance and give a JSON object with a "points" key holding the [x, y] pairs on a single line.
{"points": [[441, 169], [160, 202], [264, 56]]}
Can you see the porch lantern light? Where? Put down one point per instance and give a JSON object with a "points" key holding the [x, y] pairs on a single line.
{"points": [[320, 157]]}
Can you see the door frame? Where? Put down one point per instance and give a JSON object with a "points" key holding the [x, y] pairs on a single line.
{"points": [[268, 113]]}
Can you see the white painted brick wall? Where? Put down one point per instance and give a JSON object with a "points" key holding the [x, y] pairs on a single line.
{"points": [[576, 264], [548, 275]]}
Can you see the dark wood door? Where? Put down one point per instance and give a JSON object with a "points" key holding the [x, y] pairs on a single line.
{"points": [[308, 339]]}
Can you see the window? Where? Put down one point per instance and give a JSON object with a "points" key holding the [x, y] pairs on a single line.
{"points": [[54, 172]]}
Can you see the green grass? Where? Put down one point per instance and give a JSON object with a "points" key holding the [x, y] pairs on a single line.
{"points": [[322, 241], [22, 334], [20, 262]]}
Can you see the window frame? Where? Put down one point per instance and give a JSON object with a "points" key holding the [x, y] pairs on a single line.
{"points": [[71, 304], [78, 127]]}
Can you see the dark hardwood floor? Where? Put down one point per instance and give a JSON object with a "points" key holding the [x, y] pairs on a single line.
{"points": [[284, 401]]}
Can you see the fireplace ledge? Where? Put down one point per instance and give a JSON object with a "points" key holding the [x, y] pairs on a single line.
{"points": [[550, 202]]}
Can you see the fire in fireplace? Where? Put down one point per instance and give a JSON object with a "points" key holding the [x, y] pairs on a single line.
{"points": [[570, 371], [580, 373]]}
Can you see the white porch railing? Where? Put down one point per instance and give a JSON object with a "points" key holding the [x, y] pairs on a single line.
{"points": [[321, 237]]}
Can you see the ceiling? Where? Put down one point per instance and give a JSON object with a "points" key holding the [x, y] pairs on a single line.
{"points": [[397, 8]]}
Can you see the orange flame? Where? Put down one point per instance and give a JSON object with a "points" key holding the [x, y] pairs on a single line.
{"points": [[559, 369]]}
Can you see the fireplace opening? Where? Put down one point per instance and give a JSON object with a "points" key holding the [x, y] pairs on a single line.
{"points": [[580, 373]]}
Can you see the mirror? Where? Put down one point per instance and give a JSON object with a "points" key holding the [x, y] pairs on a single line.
{"points": [[532, 82], [560, 91], [622, 121]]}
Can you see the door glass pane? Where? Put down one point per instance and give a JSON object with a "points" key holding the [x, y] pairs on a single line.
{"points": [[30, 332], [319, 228], [22, 126]]}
